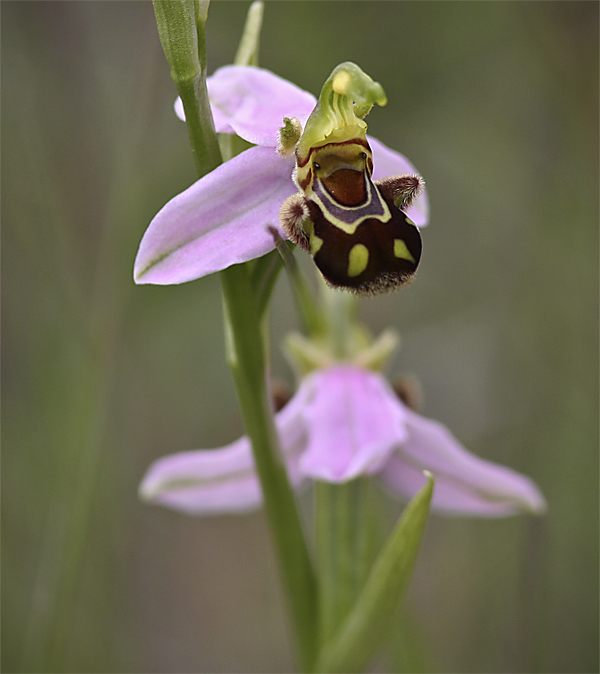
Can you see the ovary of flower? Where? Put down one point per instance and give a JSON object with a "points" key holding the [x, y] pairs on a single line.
{"points": [[345, 422], [224, 218]]}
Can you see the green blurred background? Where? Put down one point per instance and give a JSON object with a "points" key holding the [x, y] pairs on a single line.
{"points": [[496, 103]]}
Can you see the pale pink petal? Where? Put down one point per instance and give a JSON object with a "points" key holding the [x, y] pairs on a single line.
{"points": [[465, 484], [353, 423], [205, 481], [220, 220], [213, 481], [388, 162], [252, 102], [291, 428]]}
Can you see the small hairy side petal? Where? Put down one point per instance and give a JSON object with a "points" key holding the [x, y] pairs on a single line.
{"points": [[387, 163]]}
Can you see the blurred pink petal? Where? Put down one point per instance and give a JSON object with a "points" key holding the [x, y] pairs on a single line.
{"points": [[222, 219], [203, 482], [214, 481], [353, 423], [343, 422], [465, 484]]}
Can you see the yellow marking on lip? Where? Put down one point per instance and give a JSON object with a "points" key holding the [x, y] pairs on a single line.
{"points": [[401, 251], [358, 259], [349, 228], [315, 244]]}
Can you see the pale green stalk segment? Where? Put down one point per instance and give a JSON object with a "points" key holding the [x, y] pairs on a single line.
{"points": [[308, 311], [178, 32], [246, 358], [181, 29], [263, 276], [340, 309], [362, 632], [346, 535]]}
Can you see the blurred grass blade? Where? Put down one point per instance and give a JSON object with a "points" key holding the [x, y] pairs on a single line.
{"points": [[247, 53], [366, 626]]}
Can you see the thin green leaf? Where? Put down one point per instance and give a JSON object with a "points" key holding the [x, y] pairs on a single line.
{"points": [[363, 631]]}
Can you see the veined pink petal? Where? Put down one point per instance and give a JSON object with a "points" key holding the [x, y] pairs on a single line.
{"points": [[353, 423], [465, 484], [252, 102], [388, 162], [220, 220]]}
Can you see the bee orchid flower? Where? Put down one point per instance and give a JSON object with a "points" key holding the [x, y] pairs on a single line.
{"points": [[346, 421], [225, 217]]}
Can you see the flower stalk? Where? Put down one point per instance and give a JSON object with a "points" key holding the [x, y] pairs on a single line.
{"points": [[247, 53], [245, 354], [181, 29]]}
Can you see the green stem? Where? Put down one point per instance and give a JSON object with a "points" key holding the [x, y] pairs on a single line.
{"points": [[263, 277], [247, 53], [339, 307], [203, 138], [181, 30], [184, 47], [311, 317], [246, 359]]}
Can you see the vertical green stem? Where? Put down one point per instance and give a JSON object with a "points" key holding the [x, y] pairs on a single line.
{"points": [[247, 53], [246, 359], [368, 621], [181, 28], [346, 519], [207, 155]]}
